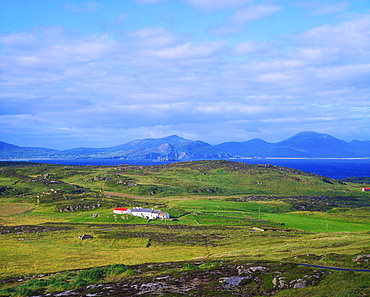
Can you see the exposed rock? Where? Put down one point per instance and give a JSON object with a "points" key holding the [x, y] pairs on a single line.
{"points": [[241, 270], [69, 208], [279, 282], [30, 229], [220, 280], [232, 281], [361, 258], [85, 236], [299, 283], [66, 293], [257, 268]]}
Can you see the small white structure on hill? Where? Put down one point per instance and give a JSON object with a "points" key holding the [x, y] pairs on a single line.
{"points": [[122, 210], [148, 213], [164, 215]]}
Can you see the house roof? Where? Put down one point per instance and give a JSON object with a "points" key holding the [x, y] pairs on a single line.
{"points": [[121, 208], [142, 210]]}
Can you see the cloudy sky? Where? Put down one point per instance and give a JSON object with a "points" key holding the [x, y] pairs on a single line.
{"points": [[101, 73]]}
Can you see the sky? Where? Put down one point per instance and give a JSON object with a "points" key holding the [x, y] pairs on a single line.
{"points": [[100, 73]]}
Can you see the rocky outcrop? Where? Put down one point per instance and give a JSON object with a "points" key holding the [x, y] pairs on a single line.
{"points": [[200, 278], [361, 259], [78, 207], [85, 236]]}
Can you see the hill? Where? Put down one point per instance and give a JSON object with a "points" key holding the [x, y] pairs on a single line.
{"points": [[234, 229], [10, 151], [301, 145], [171, 147], [200, 178]]}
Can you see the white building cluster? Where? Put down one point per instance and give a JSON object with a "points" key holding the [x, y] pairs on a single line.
{"points": [[148, 213]]}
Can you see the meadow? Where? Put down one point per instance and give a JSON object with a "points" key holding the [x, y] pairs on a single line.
{"points": [[221, 213]]}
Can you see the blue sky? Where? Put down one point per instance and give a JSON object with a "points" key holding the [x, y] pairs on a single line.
{"points": [[101, 73]]}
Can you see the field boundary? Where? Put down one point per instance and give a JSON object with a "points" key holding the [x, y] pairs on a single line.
{"points": [[334, 268]]}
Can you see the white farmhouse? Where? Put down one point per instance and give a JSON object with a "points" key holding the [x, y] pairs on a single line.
{"points": [[149, 213]]}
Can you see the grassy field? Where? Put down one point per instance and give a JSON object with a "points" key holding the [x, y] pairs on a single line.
{"points": [[219, 210]]}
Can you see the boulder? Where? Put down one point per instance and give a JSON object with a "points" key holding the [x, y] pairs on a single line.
{"points": [[299, 284], [85, 236], [279, 282], [361, 258], [232, 281]]}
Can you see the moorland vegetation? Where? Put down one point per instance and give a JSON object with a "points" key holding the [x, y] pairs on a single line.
{"points": [[235, 230]]}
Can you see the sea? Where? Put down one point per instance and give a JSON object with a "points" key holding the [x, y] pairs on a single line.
{"points": [[334, 168]]}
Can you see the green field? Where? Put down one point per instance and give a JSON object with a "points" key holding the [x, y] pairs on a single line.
{"points": [[220, 211]]}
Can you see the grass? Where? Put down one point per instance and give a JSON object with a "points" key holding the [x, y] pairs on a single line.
{"points": [[224, 206], [220, 209], [69, 280], [315, 223], [340, 284], [11, 209]]}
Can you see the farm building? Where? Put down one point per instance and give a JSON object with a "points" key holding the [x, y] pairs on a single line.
{"points": [[149, 213], [164, 215], [122, 210], [366, 189]]}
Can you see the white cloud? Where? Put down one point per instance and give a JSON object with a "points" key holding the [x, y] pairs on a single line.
{"points": [[253, 13], [331, 8], [325, 7], [242, 17], [153, 37], [251, 47], [85, 7], [188, 51], [353, 35], [346, 75], [154, 79], [51, 54], [218, 4], [18, 40]]}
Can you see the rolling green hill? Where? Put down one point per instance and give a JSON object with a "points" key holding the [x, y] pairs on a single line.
{"points": [[224, 215]]}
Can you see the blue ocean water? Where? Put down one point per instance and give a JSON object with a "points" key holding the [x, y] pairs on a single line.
{"points": [[334, 168]]}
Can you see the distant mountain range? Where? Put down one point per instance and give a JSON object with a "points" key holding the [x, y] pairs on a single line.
{"points": [[301, 145]]}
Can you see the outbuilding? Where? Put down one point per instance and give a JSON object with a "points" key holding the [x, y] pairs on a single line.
{"points": [[122, 210], [164, 215], [366, 189]]}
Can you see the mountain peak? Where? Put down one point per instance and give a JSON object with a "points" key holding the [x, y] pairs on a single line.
{"points": [[306, 144], [175, 138], [311, 134]]}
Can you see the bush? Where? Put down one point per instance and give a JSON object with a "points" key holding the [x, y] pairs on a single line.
{"points": [[92, 275], [116, 269], [190, 267]]}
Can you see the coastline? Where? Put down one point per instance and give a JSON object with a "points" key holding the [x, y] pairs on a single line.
{"points": [[337, 168]]}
